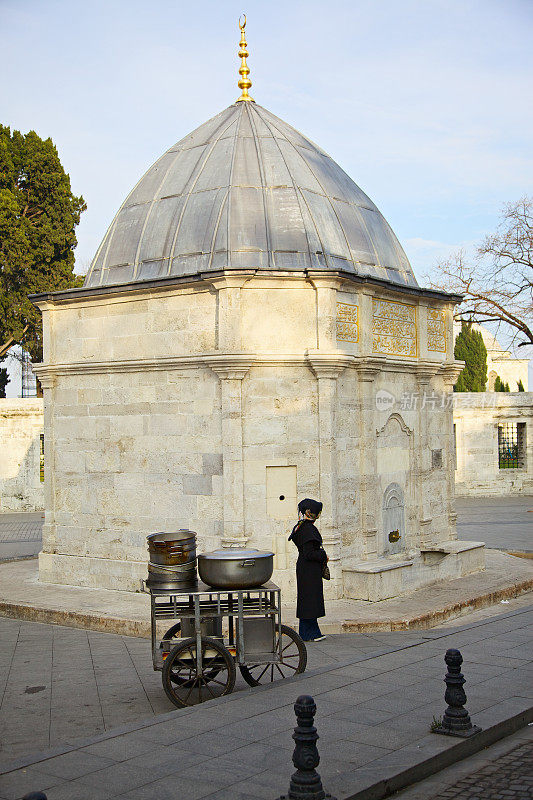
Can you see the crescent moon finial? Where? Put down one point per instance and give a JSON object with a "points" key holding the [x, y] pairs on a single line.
{"points": [[245, 82]]}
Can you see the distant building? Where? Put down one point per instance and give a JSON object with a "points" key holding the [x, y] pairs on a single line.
{"points": [[22, 454], [494, 443], [493, 431]]}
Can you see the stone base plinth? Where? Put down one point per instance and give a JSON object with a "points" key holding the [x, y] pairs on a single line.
{"points": [[383, 578], [93, 573]]}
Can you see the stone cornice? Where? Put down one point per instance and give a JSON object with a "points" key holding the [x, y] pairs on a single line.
{"points": [[232, 366], [451, 371], [329, 365], [201, 279], [369, 367], [324, 364], [323, 280], [46, 373], [425, 370]]}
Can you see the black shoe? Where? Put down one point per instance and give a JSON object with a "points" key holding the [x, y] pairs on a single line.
{"points": [[318, 638]]}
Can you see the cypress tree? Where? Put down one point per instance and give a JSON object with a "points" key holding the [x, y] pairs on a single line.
{"points": [[470, 348], [498, 384], [38, 217], [521, 386]]}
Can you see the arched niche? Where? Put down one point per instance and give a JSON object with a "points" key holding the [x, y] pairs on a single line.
{"points": [[393, 519]]}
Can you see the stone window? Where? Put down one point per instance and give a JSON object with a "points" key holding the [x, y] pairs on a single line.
{"points": [[511, 445]]}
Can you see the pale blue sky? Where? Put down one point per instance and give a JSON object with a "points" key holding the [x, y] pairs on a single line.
{"points": [[427, 104]]}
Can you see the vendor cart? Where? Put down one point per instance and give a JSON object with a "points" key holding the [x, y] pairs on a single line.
{"points": [[215, 630]]}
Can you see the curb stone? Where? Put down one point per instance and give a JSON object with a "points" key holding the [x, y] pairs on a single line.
{"points": [[141, 628]]}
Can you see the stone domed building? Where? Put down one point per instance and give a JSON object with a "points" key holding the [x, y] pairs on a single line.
{"points": [[250, 333]]}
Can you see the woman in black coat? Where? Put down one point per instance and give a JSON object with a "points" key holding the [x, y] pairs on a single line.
{"points": [[309, 567]]}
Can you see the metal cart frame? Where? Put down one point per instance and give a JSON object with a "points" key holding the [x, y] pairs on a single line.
{"points": [[254, 629]]}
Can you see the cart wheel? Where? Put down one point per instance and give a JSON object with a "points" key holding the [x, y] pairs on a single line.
{"points": [[182, 682], [173, 633], [294, 655]]}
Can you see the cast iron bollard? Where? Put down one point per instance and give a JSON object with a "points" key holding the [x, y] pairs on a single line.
{"points": [[305, 782], [456, 720]]}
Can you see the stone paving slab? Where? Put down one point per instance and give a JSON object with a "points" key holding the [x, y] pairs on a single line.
{"points": [[20, 535], [510, 778], [22, 596], [242, 738], [505, 523], [62, 684], [470, 773]]}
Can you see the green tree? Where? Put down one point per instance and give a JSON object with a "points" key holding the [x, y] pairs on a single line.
{"points": [[501, 386], [521, 386], [470, 348], [38, 217]]}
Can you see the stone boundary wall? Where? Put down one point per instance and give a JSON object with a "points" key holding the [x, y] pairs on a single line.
{"points": [[476, 418], [21, 424]]}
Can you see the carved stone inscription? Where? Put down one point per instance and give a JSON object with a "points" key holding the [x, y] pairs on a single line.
{"points": [[436, 330], [393, 328], [347, 323]]}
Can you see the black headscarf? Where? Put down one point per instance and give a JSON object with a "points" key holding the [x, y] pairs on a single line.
{"points": [[308, 511], [314, 506]]}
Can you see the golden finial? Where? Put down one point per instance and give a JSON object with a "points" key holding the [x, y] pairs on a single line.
{"points": [[245, 81]]}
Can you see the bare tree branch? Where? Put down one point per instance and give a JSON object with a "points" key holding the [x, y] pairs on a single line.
{"points": [[497, 285]]}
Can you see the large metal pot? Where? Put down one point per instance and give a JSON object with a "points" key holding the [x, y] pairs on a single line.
{"points": [[172, 563], [236, 569], [176, 547]]}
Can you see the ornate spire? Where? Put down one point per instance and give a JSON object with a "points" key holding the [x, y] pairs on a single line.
{"points": [[245, 82]]}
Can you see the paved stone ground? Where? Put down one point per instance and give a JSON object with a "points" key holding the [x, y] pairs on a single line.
{"points": [[504, 523], [59, 684], [374, 711], [510, 777], [503, 771], [20, 535]]}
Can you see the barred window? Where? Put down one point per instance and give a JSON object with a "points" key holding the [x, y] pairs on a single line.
{"points": [[511, 445]]}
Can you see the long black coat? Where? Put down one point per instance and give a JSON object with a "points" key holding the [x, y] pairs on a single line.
{"points": [[311, 557]]}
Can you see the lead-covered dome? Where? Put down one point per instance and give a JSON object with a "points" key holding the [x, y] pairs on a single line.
{"points": [[245, 190]]}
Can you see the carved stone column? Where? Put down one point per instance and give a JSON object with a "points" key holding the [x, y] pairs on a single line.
{"points": [[231, 369], [326, 287], [229, 313], [449, 373], [327, 368], [368, 369], [425, 371]]}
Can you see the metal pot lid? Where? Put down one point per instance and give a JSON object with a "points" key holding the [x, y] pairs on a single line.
{"points": [[170, 536], [232, 553]]}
